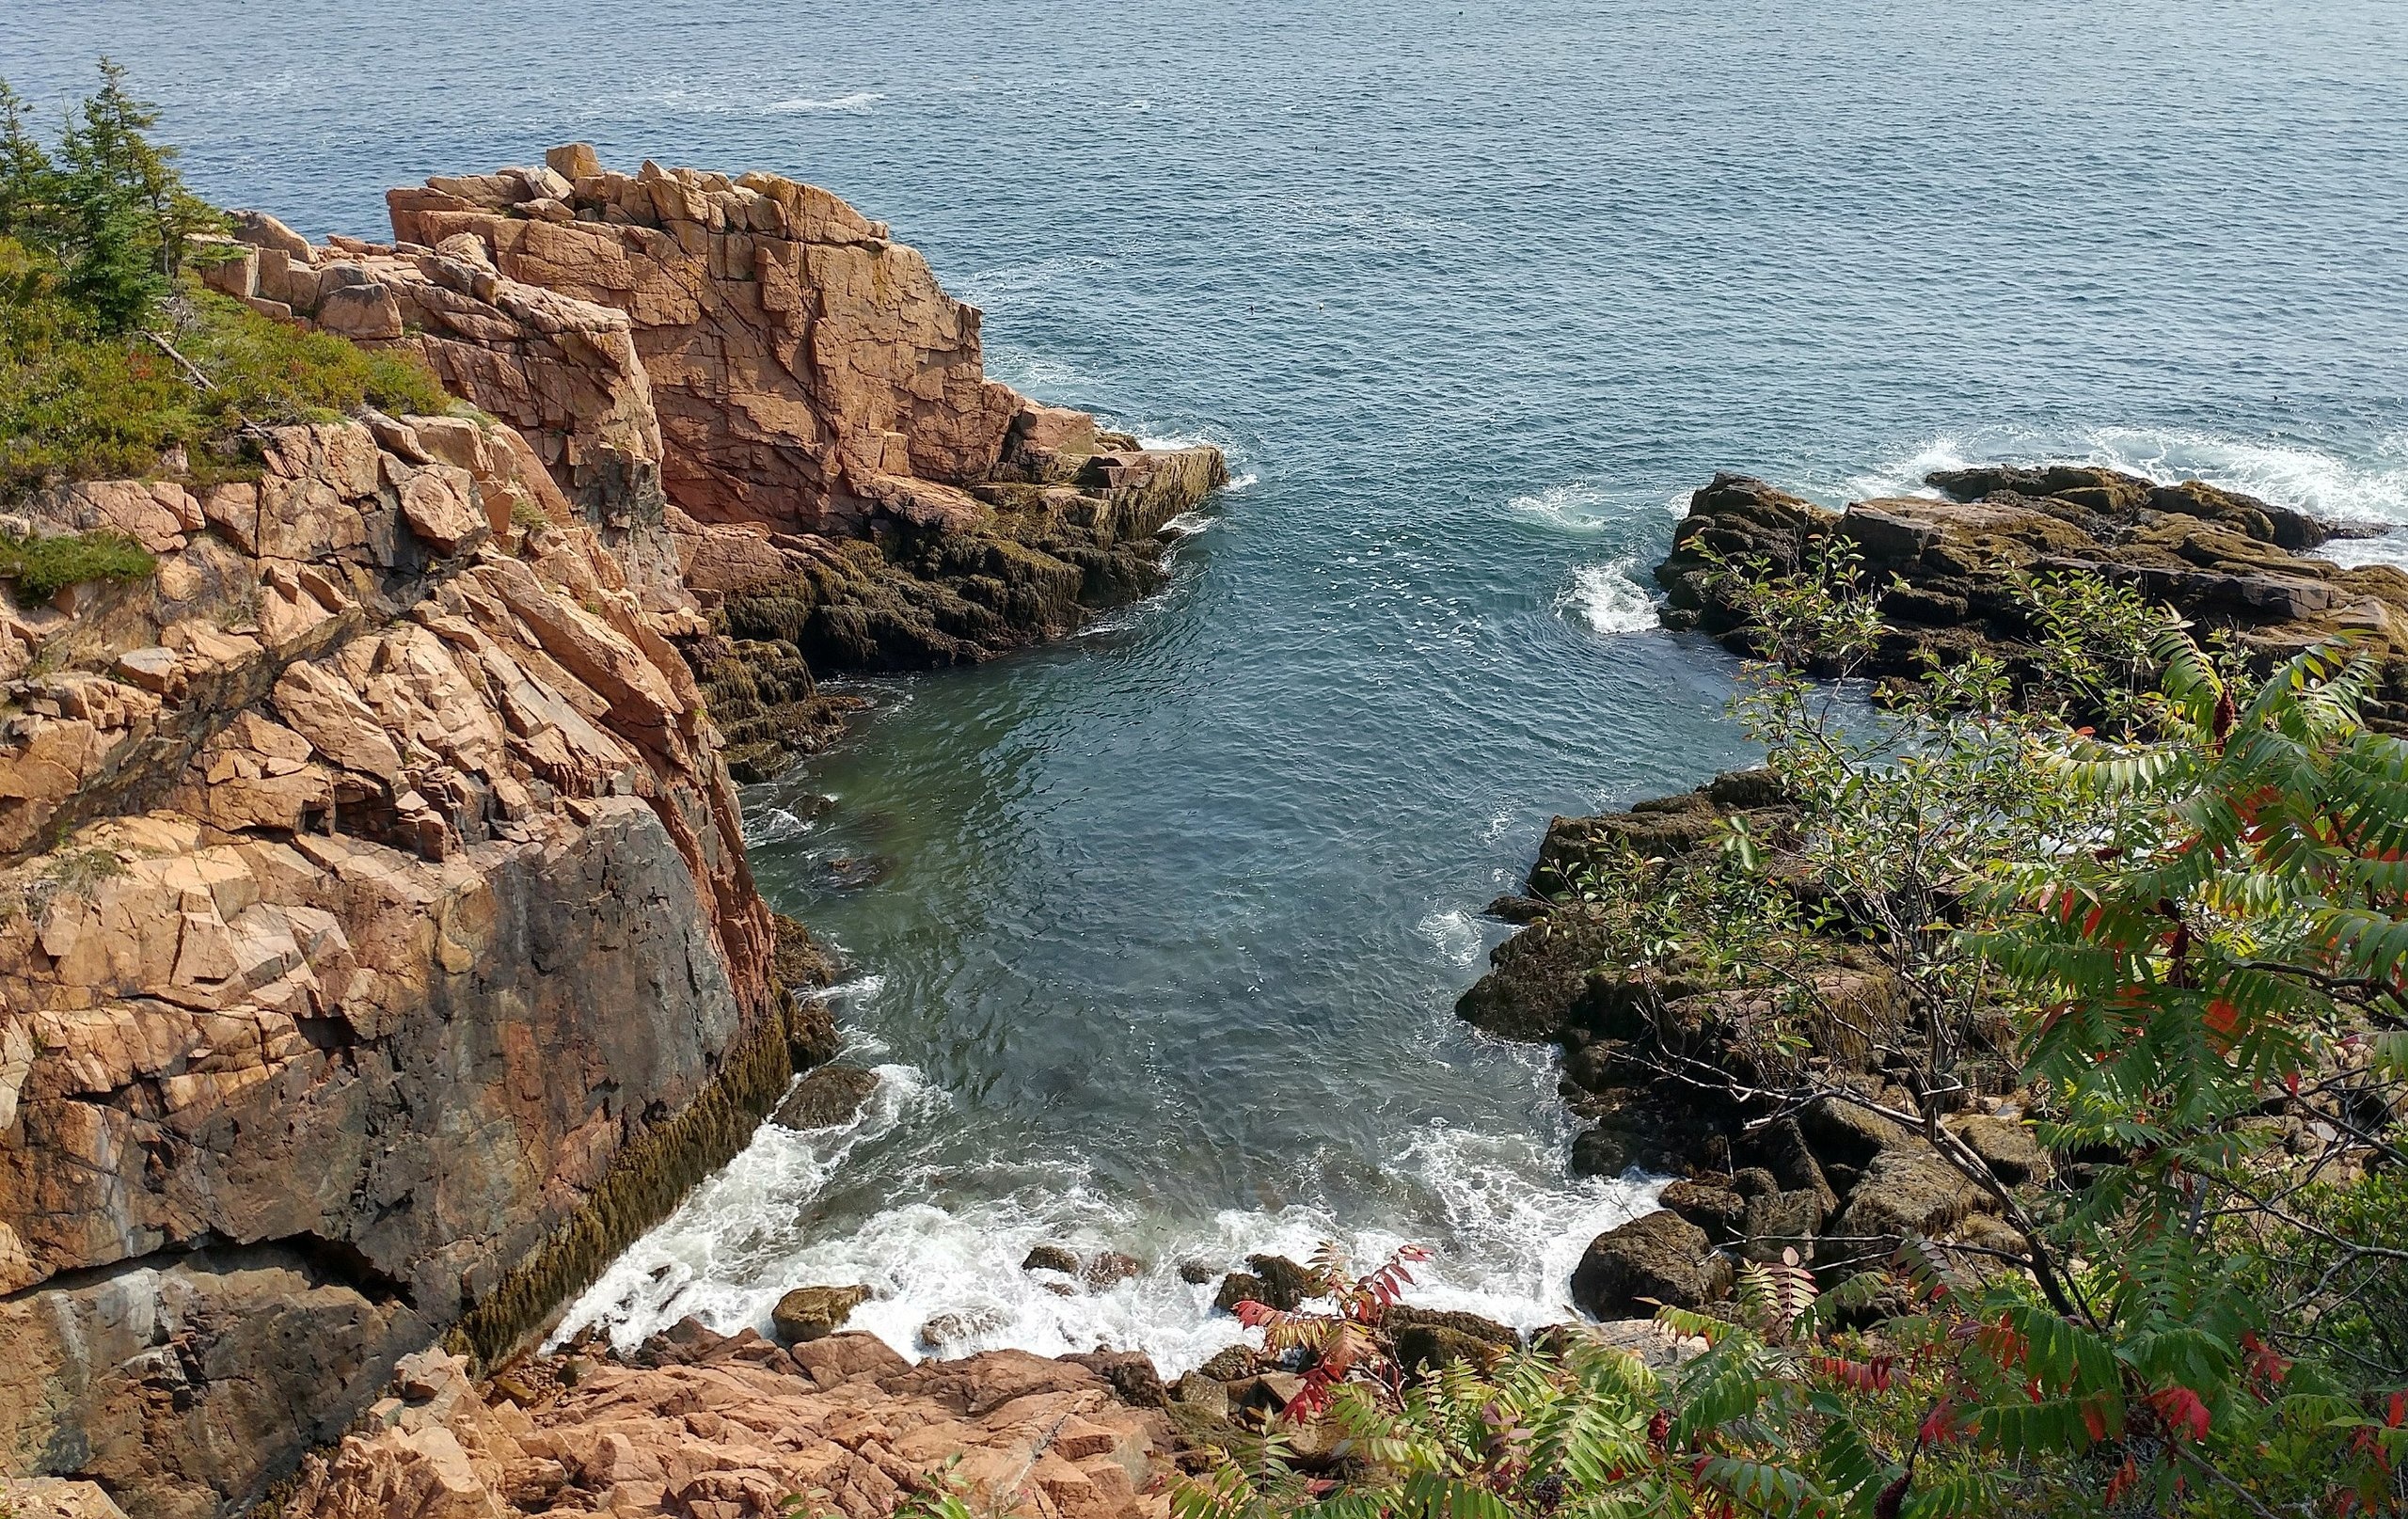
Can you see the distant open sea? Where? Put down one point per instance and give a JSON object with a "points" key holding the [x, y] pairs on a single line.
{"points": [[1164, 927]]}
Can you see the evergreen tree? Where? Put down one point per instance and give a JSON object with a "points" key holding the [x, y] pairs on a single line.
{"points": [[109, 209]]}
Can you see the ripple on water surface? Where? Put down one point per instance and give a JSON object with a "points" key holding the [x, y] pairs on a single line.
{"points": [[1166, 922]]}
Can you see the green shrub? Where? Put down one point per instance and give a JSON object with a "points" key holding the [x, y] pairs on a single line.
{"points": [[93, 292], [43, 568], [274, 373], [80, 403]]}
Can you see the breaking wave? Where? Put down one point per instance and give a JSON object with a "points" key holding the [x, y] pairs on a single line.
{"points": [[946, 1278], [1608, 599], [2293, 474]]}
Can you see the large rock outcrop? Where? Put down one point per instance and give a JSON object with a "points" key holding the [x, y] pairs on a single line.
{"points": [[1672, 1061], [754, 366], [377, 950], [1949, 567], [737, 1429]]}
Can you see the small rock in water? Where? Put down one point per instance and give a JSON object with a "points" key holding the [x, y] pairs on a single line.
{"points": [[1110, 1267], [1240, 1287], [830, 1095], [950, 1331], [1050, 1258], [1195, 1272], [1287, 1283], [809, 1313]]}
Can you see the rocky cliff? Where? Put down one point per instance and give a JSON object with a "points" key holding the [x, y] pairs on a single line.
{"points": [[1949, 566], [376, 898], [752, 368], [377, 951]]}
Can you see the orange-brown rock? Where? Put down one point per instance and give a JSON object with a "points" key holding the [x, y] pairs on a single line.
{"points": [[743, 1430], [370, 887], [762, 373]]}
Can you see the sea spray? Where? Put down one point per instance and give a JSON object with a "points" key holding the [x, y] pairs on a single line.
{"points": [[1512, 1225]]}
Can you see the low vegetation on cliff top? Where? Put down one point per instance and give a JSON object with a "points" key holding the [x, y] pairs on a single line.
{"points": [[2165, 897], [114, 361]]}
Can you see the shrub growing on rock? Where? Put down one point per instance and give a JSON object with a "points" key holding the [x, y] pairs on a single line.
{"points": [[2179, 936]]}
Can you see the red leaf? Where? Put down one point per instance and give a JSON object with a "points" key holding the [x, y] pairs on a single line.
{"points": [[1938, 1425], [2181, 1410], [2264, 1361], [2093, 1421], [2399, 1411], [2125, 1477], [2222, 1016]]}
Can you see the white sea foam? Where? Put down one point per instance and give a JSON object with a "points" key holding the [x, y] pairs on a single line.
{"points": [[856, 103], [1511, 1228], [1578, 505], [774, 825], [2292, 474], [1188, 524], [1608, 599], [1455, 933]]}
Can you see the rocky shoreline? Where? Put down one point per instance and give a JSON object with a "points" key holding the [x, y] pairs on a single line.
{"points": [[1946, 567], [378, 954], [1833, 1181]]}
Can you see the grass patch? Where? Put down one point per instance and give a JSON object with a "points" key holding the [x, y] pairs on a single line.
{"points": [[68, 873], [78, 402], [43, 568]]}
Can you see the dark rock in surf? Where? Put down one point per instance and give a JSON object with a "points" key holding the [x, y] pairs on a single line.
{"points": [[809, 1313], [826, 1098], [1657, 1258], [1287, 1283], [1050, 1258]]}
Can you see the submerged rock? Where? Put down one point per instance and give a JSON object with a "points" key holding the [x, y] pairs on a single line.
{"points": [[826, 1098]]}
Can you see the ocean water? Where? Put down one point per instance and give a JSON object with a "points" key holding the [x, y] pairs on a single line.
{"points": [[1156, 933]]}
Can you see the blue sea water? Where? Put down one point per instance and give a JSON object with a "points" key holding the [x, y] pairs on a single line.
{"points": [[1157, 932]]}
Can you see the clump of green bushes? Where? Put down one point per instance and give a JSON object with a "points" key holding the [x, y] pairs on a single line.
{"points": [[43, 568], [100, 319]]}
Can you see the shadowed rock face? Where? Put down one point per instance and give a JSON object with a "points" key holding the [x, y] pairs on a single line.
{"points": [[2222, 560], [375, 932]]}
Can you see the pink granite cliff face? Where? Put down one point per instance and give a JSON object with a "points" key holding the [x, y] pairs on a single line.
{"points": [[754, 368], [377, 949], [372, 886]]}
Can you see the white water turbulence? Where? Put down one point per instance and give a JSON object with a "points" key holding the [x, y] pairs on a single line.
{"points": [[945, 1275], [1575, 506], [1608, 599], [2370, 491], [948, 1281]]}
